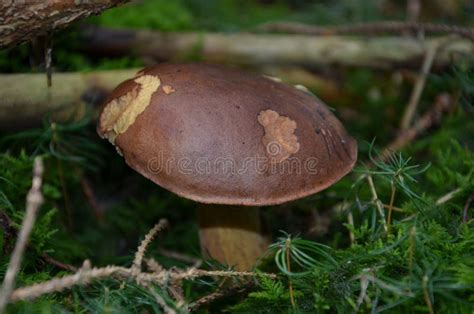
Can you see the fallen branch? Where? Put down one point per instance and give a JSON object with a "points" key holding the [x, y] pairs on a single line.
{"points": [[83, 277], [24, 20], [442, 105], [371, 28], [34, 200], [419, 85], [156, 275], [26, 99], [261, 49]]}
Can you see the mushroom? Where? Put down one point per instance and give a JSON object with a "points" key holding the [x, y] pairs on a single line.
{"points": [[230, 140]]}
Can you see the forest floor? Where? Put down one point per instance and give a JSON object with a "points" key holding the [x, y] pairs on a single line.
{"points": [[396, 234]]}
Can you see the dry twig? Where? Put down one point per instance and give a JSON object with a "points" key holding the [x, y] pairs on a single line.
{"points": [[426, 294], [57, 263], [420, 84], [34, 200], [158, 276], [469, 201], [368, 28], [443, 104], [377, 202], [137, 262], [85, 276], [219, 294], [447, 197]]}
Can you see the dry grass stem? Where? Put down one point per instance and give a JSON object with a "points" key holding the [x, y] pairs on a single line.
{"points": [[350, 221], [137, 262], [415, 96], [426, 294], [465, 216], [157, 276], [377, 202], [447, 197], [34, 200], [442, 105]]}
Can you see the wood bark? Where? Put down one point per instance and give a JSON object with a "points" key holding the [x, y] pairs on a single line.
{"points": [[264, 49], [22, 20]]}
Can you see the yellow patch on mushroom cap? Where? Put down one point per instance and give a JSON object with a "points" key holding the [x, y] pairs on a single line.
{"points": [[279, 139], [168, 89], [140, 73], [121, 113]]}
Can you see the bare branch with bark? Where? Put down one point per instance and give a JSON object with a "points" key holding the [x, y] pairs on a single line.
{"points": [[26, 98], [264, 49], [371, 28], [21, 21], [34, 200]]}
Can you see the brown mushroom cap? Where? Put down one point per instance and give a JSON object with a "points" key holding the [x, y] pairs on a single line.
{"points": [[222, 136]]}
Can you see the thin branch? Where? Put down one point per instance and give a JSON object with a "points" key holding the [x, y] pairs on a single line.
{"points": [[153, 265], [137, 262], [368, 28], [469, 201], [290, 284], [350, 221], [219, 294], [85, 276], [91, 199], [60, 284], [398, 209], [57, 263], [447, 197], [443, 104], [195, 273], [34, 200], [426, 294], [159, 299], [377, 201], [390, 206], [420, 85], [159, 277]]}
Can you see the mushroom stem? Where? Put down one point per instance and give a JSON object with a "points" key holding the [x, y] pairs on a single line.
{"points": [[231, 235]]}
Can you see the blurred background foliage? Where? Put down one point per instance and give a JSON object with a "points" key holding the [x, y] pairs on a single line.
{"points": [[97, 208]]}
